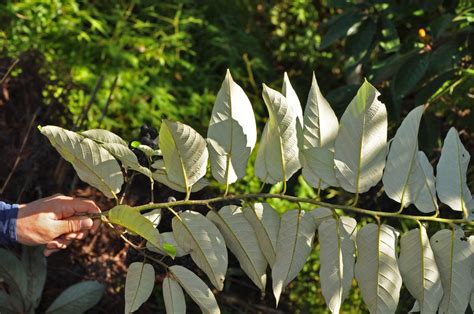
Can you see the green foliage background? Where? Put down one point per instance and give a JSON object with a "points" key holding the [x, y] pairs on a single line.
{"points": [[168, 59]]}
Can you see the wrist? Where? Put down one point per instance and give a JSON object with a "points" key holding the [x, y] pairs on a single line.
{"points": [[8, 218]]}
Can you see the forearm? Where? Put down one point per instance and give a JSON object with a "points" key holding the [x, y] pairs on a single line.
{"points": [[8, 216]]}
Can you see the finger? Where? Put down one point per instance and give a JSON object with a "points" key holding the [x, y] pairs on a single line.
{"points": [[76, 235], [73, 224], [58, 243], [68, 206], [95, 226], [48, 252]]}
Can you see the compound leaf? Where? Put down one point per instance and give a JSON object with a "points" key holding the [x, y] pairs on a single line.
{"points": [[93, 164], [337, 260], [265, 221], [376, 269], [242, 242], [196, 288], [419, 271], [361, 142], [138, 285], [195, 233], [232, 132], [294, 245]]}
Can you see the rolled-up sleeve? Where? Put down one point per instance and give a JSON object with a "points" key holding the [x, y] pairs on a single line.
{"points": [[8, 215]]}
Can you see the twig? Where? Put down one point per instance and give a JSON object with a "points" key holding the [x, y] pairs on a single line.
{"points": [[9, 70], [109, 98], [18, 158], [82, 117]]}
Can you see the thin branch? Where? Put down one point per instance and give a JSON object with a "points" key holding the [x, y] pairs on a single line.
{"points": [[295, 199]]}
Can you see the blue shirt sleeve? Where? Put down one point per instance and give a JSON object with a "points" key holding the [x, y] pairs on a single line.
{"points": [[8, 215]]}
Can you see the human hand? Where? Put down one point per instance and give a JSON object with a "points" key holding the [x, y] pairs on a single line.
{"points": [[55, 221]]}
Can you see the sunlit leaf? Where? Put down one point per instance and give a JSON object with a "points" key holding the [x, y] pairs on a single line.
{"points": [[266, 224], [403, 177], [278, 154], [242, 241], [320, 131], [426, 201], [419, 271], [337, 260], [195, 233], [294, 245], [232, 132], [184, 153], [451, 178], [362, 141], [93, 164], [453, 257], [376, 269]]}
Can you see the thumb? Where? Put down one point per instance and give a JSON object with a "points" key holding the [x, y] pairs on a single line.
{"points": [[73, 224]]}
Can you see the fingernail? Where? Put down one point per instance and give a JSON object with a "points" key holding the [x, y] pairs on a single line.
{"points": [[86, 223]]}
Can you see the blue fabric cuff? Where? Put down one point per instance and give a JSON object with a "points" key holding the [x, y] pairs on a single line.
{"points": [[8, 216]]}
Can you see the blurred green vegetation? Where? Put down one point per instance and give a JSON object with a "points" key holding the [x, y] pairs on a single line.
{"points": [[157, 59]]}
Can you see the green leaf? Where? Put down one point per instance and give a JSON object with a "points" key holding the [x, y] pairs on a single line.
{"points": [[196, 234], [453, 257], [295, 242], [403, 177], [138, 285], [93, 164], [184, 153], [337, 260], [320, 131], [376, 269], [419, 271], [265, 221], [410, 73], [5, 306], [34, 264], [277, 157], [361, 143], [451, 174], [358, 45], [196, 288], [232, 132], [14, 274], [339, 28], [147, 150], [167, 240], [242, 241], [77, 298], [426, 201], [173, 296], [391, 41], [131, 219]]}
